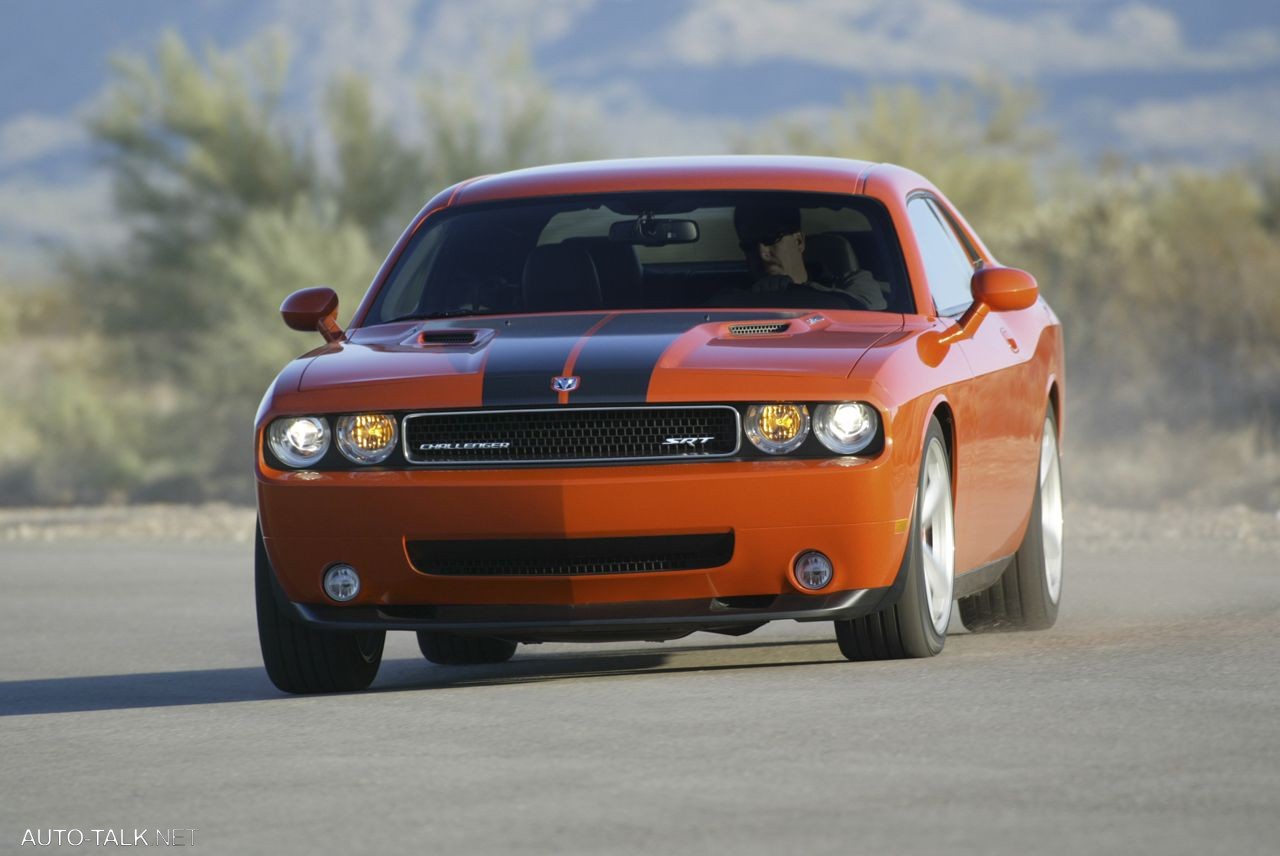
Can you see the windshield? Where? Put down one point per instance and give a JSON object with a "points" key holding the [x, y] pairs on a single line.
{"points": [[649, 251]]}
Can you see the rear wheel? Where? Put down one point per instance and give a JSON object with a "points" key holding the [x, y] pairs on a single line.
{"points": [[1027, 594], [449, 649], [301, 659], [916, 626]]}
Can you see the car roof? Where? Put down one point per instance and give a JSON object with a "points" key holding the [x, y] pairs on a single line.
{"points": [[724, 172]]}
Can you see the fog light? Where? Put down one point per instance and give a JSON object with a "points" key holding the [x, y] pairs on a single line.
{"points": [[342, 583], [813, 570], [366, 438], [777, 428]]}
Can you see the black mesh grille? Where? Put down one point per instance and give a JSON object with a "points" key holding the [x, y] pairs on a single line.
{"points": [[571, 557], [567, 434]]}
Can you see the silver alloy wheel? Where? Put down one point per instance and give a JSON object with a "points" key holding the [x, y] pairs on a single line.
{"points": [[937, 535], [1051, 510]]}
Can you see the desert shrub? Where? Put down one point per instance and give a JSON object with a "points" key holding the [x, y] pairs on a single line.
{"points": [[230, 207], [1164, 280], [1164, 284], [979, 145]]}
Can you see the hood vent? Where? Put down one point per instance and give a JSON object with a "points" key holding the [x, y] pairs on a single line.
{"points": [[764, 328], [447, 337]]}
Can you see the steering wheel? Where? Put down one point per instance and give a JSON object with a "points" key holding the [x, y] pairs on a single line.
{"points": [[843, 299]]}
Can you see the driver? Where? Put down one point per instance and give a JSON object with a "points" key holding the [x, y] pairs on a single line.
{"points": [[773, 244]]}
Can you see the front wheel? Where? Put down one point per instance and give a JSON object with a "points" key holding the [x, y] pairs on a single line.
{"points": [[301, 659], [1027, 594], [916, 626]]}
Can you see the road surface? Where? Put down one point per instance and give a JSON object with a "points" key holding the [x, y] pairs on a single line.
{"points": [[132, 698]]}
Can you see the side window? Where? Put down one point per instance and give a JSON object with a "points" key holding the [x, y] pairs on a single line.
{"points": [[404, 291], [946, 264]]}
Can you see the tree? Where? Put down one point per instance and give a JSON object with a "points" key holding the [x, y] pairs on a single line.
{"points": [[230, 207]]}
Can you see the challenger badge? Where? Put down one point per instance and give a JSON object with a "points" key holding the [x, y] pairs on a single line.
{"points": [[564, 384]]}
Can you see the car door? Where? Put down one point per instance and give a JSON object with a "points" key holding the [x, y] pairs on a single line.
{"points": [[996, 437]]}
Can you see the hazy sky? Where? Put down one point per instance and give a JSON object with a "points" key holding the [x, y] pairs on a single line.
{"points": [[1183, 79]]}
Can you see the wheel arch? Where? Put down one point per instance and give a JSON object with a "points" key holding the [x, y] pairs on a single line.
{"points": [[1055, 405], [946, 417]]}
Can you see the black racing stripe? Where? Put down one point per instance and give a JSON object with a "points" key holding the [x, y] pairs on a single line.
{"points": [[616, 363], [526, 353]]}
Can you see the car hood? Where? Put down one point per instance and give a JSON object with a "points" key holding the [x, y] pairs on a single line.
{"points": [[618, 357]]}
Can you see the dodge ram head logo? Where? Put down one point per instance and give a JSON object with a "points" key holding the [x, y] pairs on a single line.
{"points": [[564, 384]]}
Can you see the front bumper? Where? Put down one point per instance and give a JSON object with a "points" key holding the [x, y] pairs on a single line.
{"points": [[643, 620], [853, 510]]}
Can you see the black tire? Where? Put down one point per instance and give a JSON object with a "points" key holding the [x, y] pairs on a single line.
{"points": [[905, 629], [449, 649], [300, 659], [1020, 599]]}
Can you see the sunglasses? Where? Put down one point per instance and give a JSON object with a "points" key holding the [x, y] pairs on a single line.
{"points": [[749, 245]]}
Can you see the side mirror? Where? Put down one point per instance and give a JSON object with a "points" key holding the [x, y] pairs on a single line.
{"points": [[999, 289], [1005, 289], [313, 309]]}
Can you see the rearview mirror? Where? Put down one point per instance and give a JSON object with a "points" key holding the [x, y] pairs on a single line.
{"points": [[652, 232], [313, 309], [1005, 289]]}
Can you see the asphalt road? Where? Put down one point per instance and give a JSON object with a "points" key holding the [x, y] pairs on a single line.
{"points": [[1148, 721]]}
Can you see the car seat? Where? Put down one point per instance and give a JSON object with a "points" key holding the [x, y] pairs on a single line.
{"points": [[560, 278]]}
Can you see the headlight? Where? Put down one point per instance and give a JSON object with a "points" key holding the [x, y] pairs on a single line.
{"points": [[777, 428], [845, 428], [366, 438], [299, 441]]}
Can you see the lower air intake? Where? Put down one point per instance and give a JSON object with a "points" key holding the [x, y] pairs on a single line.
{"points": [[561, 557]]}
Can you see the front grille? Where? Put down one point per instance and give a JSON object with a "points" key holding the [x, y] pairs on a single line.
{"points": [[544, 557], [758, 329], [571, 434]]}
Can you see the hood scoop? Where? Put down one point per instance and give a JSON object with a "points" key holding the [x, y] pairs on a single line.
{"points": [[759, 328], [449, 337]]}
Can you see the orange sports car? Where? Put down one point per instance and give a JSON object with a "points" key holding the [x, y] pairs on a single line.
{"points": [[634, 399]]}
